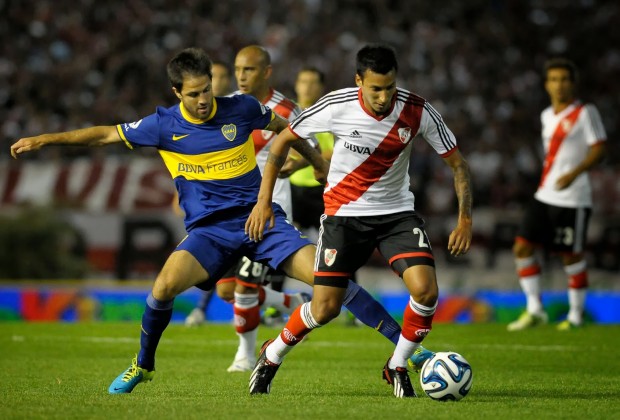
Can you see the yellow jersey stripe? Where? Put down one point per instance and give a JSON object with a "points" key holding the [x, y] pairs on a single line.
{"points": [[122, 135], [212, 166]]}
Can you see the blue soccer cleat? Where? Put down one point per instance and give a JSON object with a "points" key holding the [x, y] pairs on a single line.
{"points": [[127, 381], [420, 355]]}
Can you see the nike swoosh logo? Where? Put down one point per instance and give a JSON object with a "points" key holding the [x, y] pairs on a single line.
{"points": [[379, 326], [175, 137]]}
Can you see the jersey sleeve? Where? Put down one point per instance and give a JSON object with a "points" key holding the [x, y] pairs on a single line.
{"points": [[436, 132], [258, 115], [594, 129], [141, 133], [312, 121]]}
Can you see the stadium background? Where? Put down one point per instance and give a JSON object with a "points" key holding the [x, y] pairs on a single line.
{"points": [[101, 217]]}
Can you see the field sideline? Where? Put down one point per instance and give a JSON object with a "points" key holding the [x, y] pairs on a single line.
{"points": [[62, 370]]}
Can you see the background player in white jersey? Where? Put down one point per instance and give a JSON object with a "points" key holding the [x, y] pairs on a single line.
{"points": [[557, 218], [253, 71], [368, 205]]}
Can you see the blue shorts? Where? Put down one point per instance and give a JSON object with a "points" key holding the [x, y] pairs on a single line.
{"points": [[220, 245]]}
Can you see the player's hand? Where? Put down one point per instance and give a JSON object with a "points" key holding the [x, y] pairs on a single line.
{"points": [[460, 239], [320, 174], [564, 181], [255, 225], [28, 144]]}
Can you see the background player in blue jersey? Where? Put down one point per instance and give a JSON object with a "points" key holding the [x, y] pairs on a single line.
{"points": [[206, 145]]}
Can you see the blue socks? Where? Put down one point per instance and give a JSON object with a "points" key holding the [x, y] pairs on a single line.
{"points": [[205, 298], [366, 308], [155, 319]]}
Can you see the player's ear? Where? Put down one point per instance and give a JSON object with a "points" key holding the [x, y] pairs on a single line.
{"points": [[177, 93], [268, 71], [358, 80]]}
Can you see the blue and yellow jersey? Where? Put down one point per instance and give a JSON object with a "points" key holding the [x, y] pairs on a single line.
{"points": [[212, 162]]}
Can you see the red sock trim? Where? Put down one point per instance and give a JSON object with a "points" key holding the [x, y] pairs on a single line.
{"points": [[578, 281], [416, 327], [295, 329], [246, 319]]}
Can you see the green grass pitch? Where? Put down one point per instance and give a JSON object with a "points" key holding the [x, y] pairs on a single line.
{"points": [[62, 371]]}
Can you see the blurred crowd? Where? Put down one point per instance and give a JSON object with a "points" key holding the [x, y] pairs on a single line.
{"points": [[66, 64]]}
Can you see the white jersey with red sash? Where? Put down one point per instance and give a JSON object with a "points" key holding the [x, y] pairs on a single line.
{"points": [[567, 137], [368, 173], [263, 139]]}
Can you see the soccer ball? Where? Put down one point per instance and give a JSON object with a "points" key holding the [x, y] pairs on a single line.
{"points": [[446, 376]]}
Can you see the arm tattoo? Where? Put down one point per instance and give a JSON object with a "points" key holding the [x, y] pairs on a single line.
{"points": [[308, 152], [276, 160], [462, 186], [277, 124]]}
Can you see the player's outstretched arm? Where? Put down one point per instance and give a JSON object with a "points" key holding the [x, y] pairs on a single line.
{"points": [[91, 136], [460, 238]]}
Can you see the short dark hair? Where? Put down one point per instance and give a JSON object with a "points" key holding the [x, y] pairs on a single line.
{"points": [[561, 63], [190, 61], [314, 70], [378, 58]]}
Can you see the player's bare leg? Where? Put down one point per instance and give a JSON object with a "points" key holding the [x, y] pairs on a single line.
{"points": [[180, 272]]}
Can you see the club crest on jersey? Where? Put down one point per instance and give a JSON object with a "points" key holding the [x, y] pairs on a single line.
{"points": [[229, 131], [566, 125], [267, 135], [330, 256], [404, 134]]}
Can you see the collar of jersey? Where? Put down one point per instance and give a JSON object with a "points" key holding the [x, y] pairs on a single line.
{"points": [[193, 120], [369, 112]]}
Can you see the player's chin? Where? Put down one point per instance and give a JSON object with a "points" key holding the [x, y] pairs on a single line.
{"points": [[381, 109]]}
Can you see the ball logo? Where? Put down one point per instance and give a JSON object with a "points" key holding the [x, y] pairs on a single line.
{"points": [[422, 332], [330, 256]]}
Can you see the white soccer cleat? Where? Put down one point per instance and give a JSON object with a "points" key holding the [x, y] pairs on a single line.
{"points": [[528, 320], [241, 365], [195, 318]]}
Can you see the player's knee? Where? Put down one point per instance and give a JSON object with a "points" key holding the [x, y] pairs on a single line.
{"points": [[326, 310], [226, 291], [522, 249], [165, 288], [427, 297]]}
